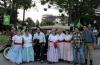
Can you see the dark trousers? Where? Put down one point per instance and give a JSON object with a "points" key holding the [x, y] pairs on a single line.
{"points": [[39, 51]]}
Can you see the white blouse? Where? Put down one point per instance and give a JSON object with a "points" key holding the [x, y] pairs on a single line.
{"points": [[68, 37], [27, 40], [17, 38], [53, 38], [61, 37], [40, 36]]}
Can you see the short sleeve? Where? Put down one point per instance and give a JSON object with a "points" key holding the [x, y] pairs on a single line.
{"points": [[30, 36], [34, 37], [14, 38], [64, 35]]}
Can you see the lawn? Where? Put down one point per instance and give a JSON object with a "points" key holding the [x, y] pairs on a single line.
{"points": [[4, 38]]}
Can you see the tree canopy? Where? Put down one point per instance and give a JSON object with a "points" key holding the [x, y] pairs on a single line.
{"points": [[77, 9]]}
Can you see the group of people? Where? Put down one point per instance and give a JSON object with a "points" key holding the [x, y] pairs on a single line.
{"points": [[70, 46]]}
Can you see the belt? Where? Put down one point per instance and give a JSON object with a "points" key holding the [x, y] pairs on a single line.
{"points": [[18, 43], [60, 40], [55, 44], [67, 41]]}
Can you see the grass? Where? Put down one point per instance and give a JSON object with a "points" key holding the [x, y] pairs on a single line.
{"points": [[3, 38]]}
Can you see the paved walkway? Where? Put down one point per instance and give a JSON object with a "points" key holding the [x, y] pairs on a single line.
{"points": [[96, 60]]}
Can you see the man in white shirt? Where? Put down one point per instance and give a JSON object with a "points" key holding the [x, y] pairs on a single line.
{"points": [[39, 39]]}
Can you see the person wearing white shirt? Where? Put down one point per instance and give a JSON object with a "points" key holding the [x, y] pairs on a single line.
{"points": [[39, 39], [61, 37], [52, 54], [28, 51], [68, 49], [15, 52], [95, 32]]}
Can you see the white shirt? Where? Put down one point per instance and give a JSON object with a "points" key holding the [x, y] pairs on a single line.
{"points": [[95, 31], [61, 37], [39, 36], [53, 38], [68, 37], [17, 38], [27, 40]]}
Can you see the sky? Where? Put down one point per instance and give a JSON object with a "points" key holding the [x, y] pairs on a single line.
{"points": [[36, 13]]}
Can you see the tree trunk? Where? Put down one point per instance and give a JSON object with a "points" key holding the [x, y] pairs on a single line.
{"points": [[5, 5], [23, 15]]}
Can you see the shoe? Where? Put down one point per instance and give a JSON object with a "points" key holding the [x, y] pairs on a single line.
{"points": [[61, 60], [82, 64], [91, 62], [75, 63], [49, 62], [85, 61], [54, 62], [69, 62], [38, 59], [42, 61]]}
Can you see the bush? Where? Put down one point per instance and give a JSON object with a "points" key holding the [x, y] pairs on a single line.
{"points": [[4, 38], [47, 23]]}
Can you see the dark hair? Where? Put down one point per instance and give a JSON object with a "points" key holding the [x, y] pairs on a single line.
{"points": [[26, 30], [76, 27], [38, 28], [68, 31]]}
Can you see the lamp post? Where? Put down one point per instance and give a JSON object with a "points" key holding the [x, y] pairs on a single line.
{"points": [[80, 4], [80, 0]]}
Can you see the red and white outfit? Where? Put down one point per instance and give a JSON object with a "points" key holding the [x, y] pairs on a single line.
{"points": [[68, 49], [52, 54], [61, 38]]}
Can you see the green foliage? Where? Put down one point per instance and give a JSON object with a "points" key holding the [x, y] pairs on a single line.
{"points": [[78, 9], [23, 3], [30, 22], [37, 23], [10, 7], [98, 23], [3, 38], [47, 23]]}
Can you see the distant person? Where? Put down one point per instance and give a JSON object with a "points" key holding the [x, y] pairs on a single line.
{"points": [[95, 32], [90, 27], [98, 38]]}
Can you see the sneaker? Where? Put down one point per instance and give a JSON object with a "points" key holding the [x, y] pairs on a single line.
{"points": [[91, 62], [75, 64], [49, 62], [42, 61], [82, 64]]}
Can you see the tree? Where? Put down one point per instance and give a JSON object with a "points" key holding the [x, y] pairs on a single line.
{"points": [[30, 22], [37, 23], [13, 5], [25, 4], [46, 23], [5, 4], [78, 9]]}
